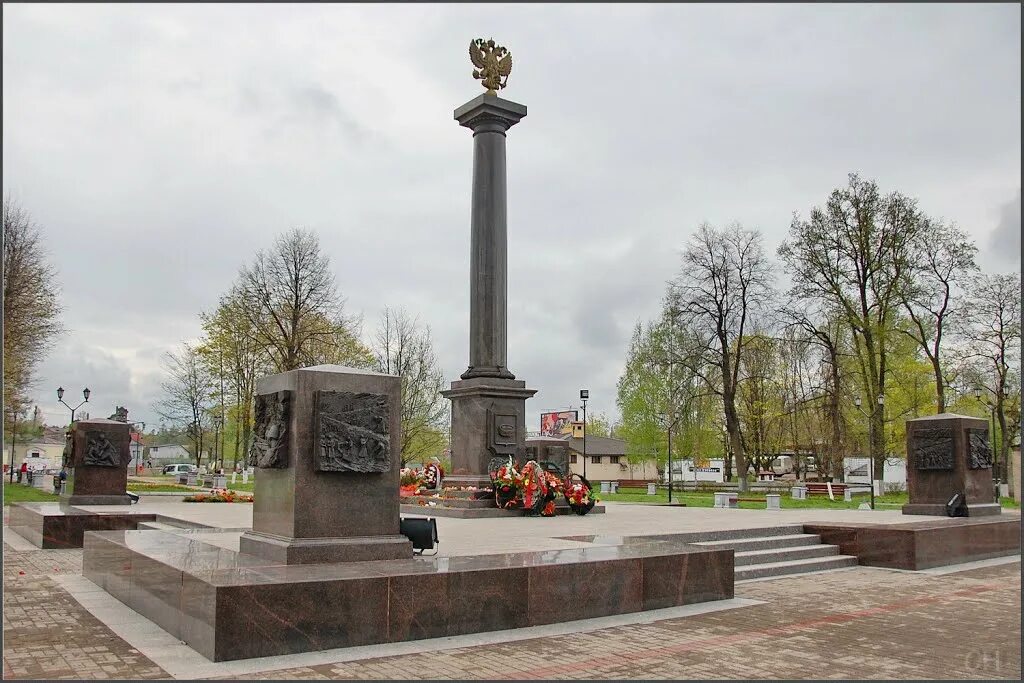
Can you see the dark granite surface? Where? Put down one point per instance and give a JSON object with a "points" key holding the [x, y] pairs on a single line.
{"points": [[58, 525], [930, 486], [228, 605], [923, 544], [110, 478]]}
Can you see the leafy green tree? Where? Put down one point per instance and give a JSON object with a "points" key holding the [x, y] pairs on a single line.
{"points": [[854, 255]]}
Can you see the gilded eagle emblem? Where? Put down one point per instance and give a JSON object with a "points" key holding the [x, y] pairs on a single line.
{"points": [[493, 63]]}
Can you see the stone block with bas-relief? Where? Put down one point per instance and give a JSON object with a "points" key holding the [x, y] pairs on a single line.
{"points": [[96, 460], [327, 486], [949, 455]]}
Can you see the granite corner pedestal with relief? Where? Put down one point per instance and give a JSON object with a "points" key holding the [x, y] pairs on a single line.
{"points": [[949, 454], [326, 441], [96, 461]]}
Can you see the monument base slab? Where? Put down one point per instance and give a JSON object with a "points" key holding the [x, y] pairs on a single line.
{"points": [[282, 550], [98, 500], [923, 544], [228, 605], [939, 509]]}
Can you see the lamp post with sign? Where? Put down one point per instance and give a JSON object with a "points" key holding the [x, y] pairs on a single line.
{"points": [[584, 395]]}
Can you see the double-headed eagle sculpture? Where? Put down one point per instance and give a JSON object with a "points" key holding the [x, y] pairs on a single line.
{"points": [[492, 63]]}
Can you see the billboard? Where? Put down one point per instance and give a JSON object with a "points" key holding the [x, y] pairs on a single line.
{"points": [[557, 424]]}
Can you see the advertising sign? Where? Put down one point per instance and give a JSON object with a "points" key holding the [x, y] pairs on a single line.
{"points": [[557, 424]]}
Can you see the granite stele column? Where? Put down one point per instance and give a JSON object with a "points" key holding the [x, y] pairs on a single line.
{"points": [[488, 403]]}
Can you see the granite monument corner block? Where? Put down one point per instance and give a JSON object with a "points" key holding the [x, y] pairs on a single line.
{"points": [[949, 462], [96, 457], [330, 494]]}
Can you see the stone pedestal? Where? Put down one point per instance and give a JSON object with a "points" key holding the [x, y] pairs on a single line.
{"points": [[96, 461], [949, 454], [488, 420], [326, 440]]}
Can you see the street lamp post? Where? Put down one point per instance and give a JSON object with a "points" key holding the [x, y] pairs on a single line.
{"points": [[584, 395], [871, 442], [60, 398]]}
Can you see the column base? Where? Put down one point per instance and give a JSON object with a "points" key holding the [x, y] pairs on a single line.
{"points": [[488, 421], [496, 371], [324, 550]]}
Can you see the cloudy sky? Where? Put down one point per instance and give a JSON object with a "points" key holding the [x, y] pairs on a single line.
{"points": [[160, 145]]}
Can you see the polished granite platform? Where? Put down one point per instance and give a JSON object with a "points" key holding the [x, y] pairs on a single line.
{"points": [[923, 544], [58, 525], [228, 605]]}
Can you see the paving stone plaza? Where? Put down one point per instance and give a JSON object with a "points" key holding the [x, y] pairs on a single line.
{"points": [[852, 622]]}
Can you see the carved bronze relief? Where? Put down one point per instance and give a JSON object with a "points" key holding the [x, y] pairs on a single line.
{"points": [[99, 451], [352, 433], [502, 433], [933, 449], [269, 448], [979, 452]]}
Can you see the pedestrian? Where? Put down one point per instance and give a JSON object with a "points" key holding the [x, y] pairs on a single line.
{"points": [[23, 473]]}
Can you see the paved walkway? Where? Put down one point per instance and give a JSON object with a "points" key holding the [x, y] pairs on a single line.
{"points": [[856, 623]]}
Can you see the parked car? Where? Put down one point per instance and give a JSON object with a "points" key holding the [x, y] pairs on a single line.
{"points": [[180, 468]]}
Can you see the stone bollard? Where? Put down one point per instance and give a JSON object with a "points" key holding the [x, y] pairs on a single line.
{"points": [[606, 487], [652, 489], [615, 487], [245, 476], [847, 494], [191, 480], [220, 482], [798, 492], [774, 501]]}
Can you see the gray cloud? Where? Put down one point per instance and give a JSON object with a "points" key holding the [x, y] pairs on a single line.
{"points": [[161, 145], [1003, 246]]}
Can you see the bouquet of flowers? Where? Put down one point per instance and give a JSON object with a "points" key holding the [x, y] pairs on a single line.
{"points": [[555, 486], [432, 475], [507, 482], [538, 496], [579, 495], [410, 480]]}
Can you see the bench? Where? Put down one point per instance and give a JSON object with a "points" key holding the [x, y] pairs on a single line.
{"points": [[728, 499], [821, 488], [634, 483]]}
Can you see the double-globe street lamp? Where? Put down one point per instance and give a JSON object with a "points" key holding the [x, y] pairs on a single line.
{"points": [[871, 440], [60, 398]]}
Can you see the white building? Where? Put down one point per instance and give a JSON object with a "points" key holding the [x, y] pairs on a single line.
{"points": [[684, 470], [856, 470]]}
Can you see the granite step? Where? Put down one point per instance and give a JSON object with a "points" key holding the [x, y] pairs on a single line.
{"points": [[744, 544], [768, 555], [811, 564]]}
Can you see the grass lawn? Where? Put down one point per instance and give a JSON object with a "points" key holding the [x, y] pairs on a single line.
{"points": [[19, 493], [892, 501]]}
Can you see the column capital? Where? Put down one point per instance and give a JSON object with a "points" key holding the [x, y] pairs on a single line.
{"points": [[491, 113]]}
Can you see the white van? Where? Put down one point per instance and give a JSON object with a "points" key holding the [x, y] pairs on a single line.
{"points": [[180, 468]]}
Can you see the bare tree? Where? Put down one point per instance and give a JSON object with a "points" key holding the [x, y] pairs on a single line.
{"points": [[293, 307], [825, 330], [854, 256], [188, 394], [943, 256], [724, 282], [993, 326], [31, 305], [403, 346]]}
